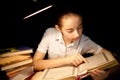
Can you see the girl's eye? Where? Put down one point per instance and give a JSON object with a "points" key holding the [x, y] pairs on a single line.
{"points": [[80, 27], [70, 31]]}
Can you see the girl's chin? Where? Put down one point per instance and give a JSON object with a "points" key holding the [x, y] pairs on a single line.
{"points": [[74, 40]]}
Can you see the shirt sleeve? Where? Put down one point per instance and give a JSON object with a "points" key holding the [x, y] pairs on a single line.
{"points": [[89, 46], [44, 43]]}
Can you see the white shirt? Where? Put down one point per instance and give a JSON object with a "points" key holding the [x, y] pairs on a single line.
{"points": [[52, 42]]}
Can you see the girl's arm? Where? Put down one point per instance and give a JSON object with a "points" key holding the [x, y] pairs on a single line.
{"points": [[40, 63]]}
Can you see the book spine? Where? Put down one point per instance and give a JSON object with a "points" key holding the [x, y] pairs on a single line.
{"points": [[16, 53], [16, 64], [13, 59]]}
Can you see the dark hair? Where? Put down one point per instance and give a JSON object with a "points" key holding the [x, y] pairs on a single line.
{"points": [[61, 13]]}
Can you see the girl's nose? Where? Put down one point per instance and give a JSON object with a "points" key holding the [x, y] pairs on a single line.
{"points": [[76, 33]]}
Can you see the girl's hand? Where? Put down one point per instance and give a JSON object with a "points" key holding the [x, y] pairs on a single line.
{"points": [[76, 59], [99, 74]]}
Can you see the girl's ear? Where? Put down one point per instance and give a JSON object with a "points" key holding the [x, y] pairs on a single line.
{"points": [[58, 28]]}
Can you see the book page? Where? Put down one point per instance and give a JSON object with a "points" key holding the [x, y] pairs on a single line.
{"points": [[59, 73], [93, 62]]}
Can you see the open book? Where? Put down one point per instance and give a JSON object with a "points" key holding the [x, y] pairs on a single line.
{"points": [[100, 61]]}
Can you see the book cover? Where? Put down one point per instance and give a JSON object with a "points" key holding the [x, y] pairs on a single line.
{"points": [[15, 51]]}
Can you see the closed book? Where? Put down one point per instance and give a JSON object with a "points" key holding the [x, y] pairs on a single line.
{"points": [[14, 71], [20, 63], [13, 59], [15, 51], [23, 74]]}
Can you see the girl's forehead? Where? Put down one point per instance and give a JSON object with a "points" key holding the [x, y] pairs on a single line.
{"points": [[71, 22], [71, 19], [71, 16]]}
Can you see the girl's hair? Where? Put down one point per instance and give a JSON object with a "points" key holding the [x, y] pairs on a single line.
{"points": [[63, 13]]}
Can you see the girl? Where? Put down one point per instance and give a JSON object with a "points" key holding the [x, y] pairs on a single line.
{"points": [[65, 45]]}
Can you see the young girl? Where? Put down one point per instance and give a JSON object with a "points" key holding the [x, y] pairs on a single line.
{"points": [[65, 45]]}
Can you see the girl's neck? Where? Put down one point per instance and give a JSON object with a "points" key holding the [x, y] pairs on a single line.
{"points": [[67, 42]]}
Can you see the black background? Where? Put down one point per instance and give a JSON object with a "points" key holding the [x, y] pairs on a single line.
{"points": [[101, 21]]}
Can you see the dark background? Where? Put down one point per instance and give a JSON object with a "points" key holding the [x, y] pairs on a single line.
{"points": [[101, 21]]}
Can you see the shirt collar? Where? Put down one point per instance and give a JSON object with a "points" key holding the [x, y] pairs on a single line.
{"points": [[60, 39]]}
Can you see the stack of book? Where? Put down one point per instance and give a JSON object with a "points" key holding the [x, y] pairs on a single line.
{"points": [[15, 59]]}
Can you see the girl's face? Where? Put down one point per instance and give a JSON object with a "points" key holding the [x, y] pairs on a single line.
{"points": [[71, 28]]}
